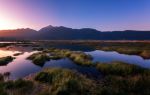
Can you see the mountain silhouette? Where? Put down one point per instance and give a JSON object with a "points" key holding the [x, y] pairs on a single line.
{"points": [[65, 33]]}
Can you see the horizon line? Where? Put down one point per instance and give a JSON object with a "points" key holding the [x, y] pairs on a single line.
{"points": [[74, 28]]}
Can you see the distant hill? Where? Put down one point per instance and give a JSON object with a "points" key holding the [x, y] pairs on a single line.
{"points": [[64, 33], [18, 34]]}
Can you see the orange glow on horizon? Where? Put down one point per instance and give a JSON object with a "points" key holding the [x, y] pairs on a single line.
{"points": [[13, 16], [8, 22]]}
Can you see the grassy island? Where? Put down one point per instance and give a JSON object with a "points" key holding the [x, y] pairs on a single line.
{"points": [[5, 60]]}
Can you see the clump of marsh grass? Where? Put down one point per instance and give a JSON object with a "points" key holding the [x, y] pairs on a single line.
{"points": [[65, 82], [39, 58], [77, 57], [5, 60], [120, 68]]}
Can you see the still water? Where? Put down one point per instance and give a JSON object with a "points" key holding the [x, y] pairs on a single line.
{"points": [[21, 67], [110, 56]]}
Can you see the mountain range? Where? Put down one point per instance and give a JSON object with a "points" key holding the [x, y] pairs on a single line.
{"points": [[64, 33]]}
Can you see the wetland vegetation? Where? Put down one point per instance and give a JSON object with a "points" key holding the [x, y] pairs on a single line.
{"points": [[116, 78], [5, 60], [54, 54]]}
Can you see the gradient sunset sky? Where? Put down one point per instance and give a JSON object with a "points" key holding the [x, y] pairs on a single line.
{"points": [[104, 15]]}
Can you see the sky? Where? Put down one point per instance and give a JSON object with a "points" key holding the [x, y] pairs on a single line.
{"points": [[103, 15]]}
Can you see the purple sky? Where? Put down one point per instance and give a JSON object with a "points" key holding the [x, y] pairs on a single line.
{"points": [[104, 15]]}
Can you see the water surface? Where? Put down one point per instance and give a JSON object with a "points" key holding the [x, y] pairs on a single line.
{"points": [[109, 56], [21, 67]]}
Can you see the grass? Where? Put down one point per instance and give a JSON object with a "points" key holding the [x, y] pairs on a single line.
{"points": [[4, 44], [1, 78], [39, 58], [5, 60], [17, 54], [117, 85], [119, 68], [17, 87], [124, 79], [38, 48], [78, 57], [65, 82], [119, 79], [18, 84], [132, 48], [56, 54], [145, 54]]}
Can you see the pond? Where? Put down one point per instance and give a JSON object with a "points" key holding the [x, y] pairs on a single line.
{"points": [[110, 56], [21, 67]]}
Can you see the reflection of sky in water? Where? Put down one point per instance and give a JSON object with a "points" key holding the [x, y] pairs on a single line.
{"points": [[66, 63], [103, 56], [4, 53], [20, 67]]}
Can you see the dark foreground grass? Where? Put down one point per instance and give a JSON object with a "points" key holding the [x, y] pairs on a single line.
{"points": [[124, 79], [120, 69], [65, 82], [17, 87], [56, 81], [5, 60]]}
